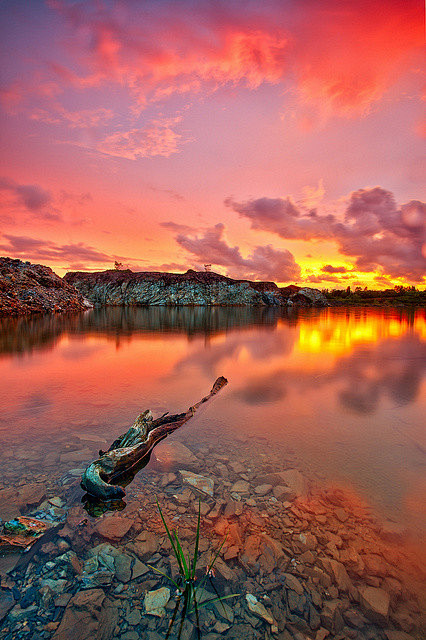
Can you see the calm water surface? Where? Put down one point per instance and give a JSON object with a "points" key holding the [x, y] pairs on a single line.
{"points": [[342, 390]]}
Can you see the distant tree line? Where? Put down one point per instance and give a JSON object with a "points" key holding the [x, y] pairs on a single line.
{"points": [[399, 295]]}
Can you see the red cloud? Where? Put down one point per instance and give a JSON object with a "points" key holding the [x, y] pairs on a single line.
{"points": [[343, 55]]}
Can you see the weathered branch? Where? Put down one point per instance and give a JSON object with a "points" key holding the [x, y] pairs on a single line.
{"points": [[132, 448]]}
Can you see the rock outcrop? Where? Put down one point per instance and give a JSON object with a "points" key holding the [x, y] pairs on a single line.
{"points": [[126, 288], [32, 288]]}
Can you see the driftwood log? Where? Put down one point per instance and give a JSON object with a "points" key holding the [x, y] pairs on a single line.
{"points": [[129, 451]]}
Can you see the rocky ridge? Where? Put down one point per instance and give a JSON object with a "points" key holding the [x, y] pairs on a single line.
{"points": [[116, 287], [27, 288]]}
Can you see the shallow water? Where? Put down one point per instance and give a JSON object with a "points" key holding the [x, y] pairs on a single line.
{"points": [[337, 393], [343, 389]]}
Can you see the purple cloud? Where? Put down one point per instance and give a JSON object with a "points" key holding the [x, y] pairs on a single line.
{"points": [[328, 268], [265, 262], [33, 198], [375, 232], [36, 249]]}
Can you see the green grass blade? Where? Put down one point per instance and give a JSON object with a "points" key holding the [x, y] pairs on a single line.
{"points": [[218, 599], [197, 540], [165, 575], [175, 551], [186, 573], [172, 621], [216, 557], [166, 527]]}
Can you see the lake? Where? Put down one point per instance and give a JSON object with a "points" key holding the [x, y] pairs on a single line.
{"points": [[338, 394]]}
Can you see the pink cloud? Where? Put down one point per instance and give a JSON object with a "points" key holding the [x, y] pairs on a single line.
{"points": [[155, 139]]}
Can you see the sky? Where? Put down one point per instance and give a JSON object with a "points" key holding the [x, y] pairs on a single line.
{"points": [[278, 140]]}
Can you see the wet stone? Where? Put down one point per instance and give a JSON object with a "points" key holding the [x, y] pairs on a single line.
{"points": [[123, 567], [263, 489], [113, 527], [375, 604], [291, 582], [199, 483], [134, 617], [156, 600], [240, 486]]}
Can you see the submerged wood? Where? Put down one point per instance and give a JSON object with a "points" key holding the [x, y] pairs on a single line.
{"points": [[132, 448]]}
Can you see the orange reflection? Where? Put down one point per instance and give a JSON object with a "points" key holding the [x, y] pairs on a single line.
{"points": [[339, 333]]}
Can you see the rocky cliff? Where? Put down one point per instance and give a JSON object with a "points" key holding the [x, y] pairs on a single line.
{"points": [[191, 288], [32, 288]]}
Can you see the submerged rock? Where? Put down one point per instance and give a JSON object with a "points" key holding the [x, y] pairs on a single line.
{"points": [[375, 604], [258, 609], [201, 484], [170, 455], [155, 601], [89, 614]]}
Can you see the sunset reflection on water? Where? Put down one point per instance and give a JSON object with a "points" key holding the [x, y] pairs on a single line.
{"points": [[343, 389]]}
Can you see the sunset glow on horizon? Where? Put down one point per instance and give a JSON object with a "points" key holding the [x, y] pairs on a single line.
{"points": [[278, 140]]}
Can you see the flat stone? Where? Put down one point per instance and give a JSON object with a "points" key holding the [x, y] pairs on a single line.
{"points": [[224, 570], [156, 600], [86, 614], [139, 569], [56, 586], [291, 478], [291, 582], [258, 609], [341, 514], [263, 489], [375, 604], [145, 545], [240, 486], [101, 578], [123, 567], [113, 527], [339, 574], [201, 484], [8, 563], [170, 455], [63, 599], [7, 601], [31, 495], [134, 617]]}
